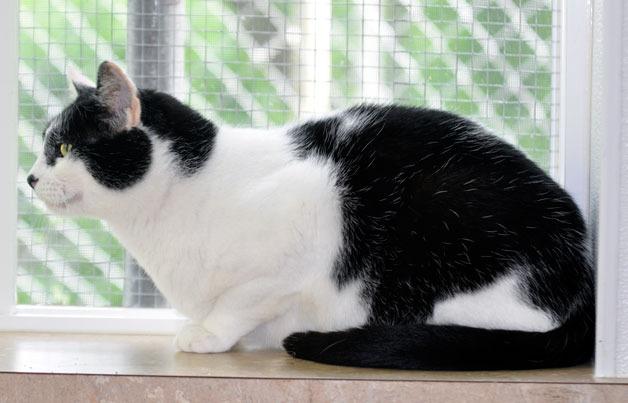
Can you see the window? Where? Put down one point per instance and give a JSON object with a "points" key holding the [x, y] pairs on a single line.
{"points": [[264, 63]]}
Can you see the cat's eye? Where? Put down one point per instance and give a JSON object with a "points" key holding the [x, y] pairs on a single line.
{"points": [[65, 149]]}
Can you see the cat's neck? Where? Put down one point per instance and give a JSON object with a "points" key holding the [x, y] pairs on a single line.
{"points": [[145, 199]]}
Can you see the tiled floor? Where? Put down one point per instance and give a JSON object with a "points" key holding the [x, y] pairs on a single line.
{"points": [[148, 367]]}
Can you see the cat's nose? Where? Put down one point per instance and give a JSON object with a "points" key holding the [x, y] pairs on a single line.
{"points": [[32, 181]]}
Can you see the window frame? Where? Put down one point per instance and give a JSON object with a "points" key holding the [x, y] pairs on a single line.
{"points": [[574, 117], [574, 121], [70, 319], [609, 132], [8, 156]]}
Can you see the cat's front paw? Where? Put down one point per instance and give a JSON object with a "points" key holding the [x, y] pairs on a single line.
{"points": [[194, 338]]}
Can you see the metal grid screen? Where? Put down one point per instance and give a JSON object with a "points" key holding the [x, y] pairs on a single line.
{"points": [[264, 63]]}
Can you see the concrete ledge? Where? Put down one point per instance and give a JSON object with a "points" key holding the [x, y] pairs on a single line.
{"points": [[64, 367], [83, 388]]}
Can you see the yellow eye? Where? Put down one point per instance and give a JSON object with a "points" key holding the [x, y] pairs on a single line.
{"points": [[65, 149]]}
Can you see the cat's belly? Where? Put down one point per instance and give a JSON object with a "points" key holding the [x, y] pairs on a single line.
{"points": [[496, 306]]}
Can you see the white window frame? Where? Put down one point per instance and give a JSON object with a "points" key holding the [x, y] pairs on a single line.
{"points": [[610, 131], [29, 318], [8, 156], [574, 94], [574, 115]]}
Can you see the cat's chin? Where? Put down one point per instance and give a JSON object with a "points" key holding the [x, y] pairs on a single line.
{"points": [[65, 207]]}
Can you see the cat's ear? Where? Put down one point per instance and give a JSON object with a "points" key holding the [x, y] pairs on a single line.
{"points": [[118, 93], [78, 82]]}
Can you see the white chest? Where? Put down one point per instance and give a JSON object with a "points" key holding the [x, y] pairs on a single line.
{"points": [[239, 219]]}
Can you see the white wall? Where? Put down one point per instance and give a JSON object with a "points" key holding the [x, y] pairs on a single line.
{"points": [[609, 127], [621, 353]]}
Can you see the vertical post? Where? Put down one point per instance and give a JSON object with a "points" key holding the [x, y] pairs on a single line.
{"points": [[610, 138], [155, 44], [8, 154], [373, 85], [555, 134], [155, 60], [316, 57], [575, 100]]}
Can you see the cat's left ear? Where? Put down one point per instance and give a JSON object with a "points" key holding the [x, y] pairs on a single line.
{"points": [[118, 93]]}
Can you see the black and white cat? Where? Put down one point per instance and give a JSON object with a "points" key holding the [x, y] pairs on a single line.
{"points": [[379, 236]]}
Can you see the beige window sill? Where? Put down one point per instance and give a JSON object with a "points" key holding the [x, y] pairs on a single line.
{"points": [[138, 367]]}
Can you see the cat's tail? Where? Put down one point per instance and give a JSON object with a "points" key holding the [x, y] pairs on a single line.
{"points": [[435, 347]]}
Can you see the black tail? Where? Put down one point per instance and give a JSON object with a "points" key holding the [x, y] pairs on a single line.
{"points": [[434, 347]]}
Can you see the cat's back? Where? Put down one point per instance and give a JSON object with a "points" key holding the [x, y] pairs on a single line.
{"points": [[396, 135]]}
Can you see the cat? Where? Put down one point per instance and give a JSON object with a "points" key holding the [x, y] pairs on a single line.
{"points": [[377, 236]]}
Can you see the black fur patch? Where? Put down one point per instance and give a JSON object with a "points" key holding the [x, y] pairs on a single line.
{"points": [[435, 205], [118, 161], [191, 136]]}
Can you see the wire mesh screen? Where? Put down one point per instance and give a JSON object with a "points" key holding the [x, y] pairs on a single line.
{"points": [[261, 63]]}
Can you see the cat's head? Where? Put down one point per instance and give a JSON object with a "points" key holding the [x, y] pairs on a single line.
{"points": [[95, 147]]}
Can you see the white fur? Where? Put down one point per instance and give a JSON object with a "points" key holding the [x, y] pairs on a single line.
{"points": [[352, 123], [61, 186], [499, 306]]}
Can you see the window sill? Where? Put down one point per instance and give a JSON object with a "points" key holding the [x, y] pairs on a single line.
{"points": [[40, 363], [68, 319]]}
